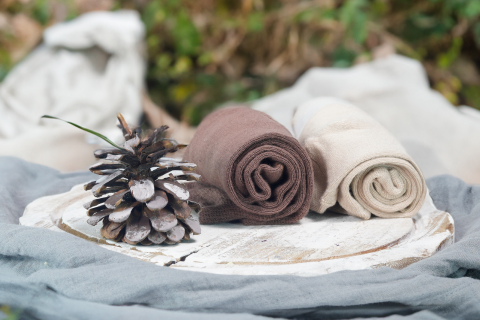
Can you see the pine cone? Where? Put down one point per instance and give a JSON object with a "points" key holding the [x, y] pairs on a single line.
{"points": [[139, 198]]}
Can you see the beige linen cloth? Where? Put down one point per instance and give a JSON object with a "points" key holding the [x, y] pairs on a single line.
{"points": [[85, 71], [357, 163], [441, 138]]}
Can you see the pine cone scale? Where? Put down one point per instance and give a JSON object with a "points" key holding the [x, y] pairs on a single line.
{"points": [[193, 224], [106, 181], [138, 228], [127, 160], [132, 143], [122, 214], [127, 132], [113, 230], [161, 145], [103, 153], [93, 203], [109, 189], [115, 200], [96, 217], [92, 211], [103, 168], [162, 220], [176, 233], [159, 201], [173, 188], [181, 209], [142, 190], [157, 237]]}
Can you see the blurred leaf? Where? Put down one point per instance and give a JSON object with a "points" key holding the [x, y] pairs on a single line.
{"points": [[41, 11], [449, 88], [253, 95], [307, 15], [186, 36], [327, 14], [349, 9], [205, 59], [379, 7], [343, 58], [164, 60], [255, 22], [420, 26], [476, 34], [160, 15], [150, 12], [444, 89], [472, 95], [5, 63], [3, 72], [423, 21], [192, 114], [182, 65], [181, 92], [446, 59], [472, 9], [359, 27], [206, 79], [153, 41], [354, 18], [455, 84]]}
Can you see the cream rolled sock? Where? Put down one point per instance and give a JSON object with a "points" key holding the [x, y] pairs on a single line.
{"points": [[357, 163]]}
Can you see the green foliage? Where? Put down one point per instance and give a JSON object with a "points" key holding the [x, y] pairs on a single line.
{"points": [[476, 33], [472, 94], [343, 57], [255, 22], [203, 53], [446, 59], [353, 16], [341, 33], [5, 63], [41, 11]]}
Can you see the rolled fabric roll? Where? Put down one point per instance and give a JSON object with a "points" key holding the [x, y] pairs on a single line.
{"points": [[357, 163], [252, 169]]}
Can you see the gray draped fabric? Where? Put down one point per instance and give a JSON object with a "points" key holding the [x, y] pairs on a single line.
{"points": [[53, 275]]}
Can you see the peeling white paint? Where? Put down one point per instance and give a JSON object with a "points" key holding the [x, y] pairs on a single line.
{"points": [[318, 244]]}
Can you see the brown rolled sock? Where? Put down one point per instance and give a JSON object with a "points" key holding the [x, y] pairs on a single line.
{"points": [[252, 169]]}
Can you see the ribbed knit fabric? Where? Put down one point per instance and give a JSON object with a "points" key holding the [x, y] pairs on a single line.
{"points": [[252, 169], [357, 163]]}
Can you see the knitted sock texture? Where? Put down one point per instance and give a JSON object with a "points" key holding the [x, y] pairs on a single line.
{"points": [[252, 169], [357, 163]]}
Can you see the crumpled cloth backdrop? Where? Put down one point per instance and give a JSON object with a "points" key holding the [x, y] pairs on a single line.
{"points": [[52, 275], [440, 138], [85, 71]]}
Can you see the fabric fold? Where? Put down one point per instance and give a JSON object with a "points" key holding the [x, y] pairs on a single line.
{"points": [[252, 169], [86, 71], [358, 165]]}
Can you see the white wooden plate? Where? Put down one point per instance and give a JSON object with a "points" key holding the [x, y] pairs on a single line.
{"points": [[318, 244]]}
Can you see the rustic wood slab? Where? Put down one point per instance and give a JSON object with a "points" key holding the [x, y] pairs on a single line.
{"points": [[318, 244]]}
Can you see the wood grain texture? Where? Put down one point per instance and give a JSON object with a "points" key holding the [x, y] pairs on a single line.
{"points": [[318, 244]]}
